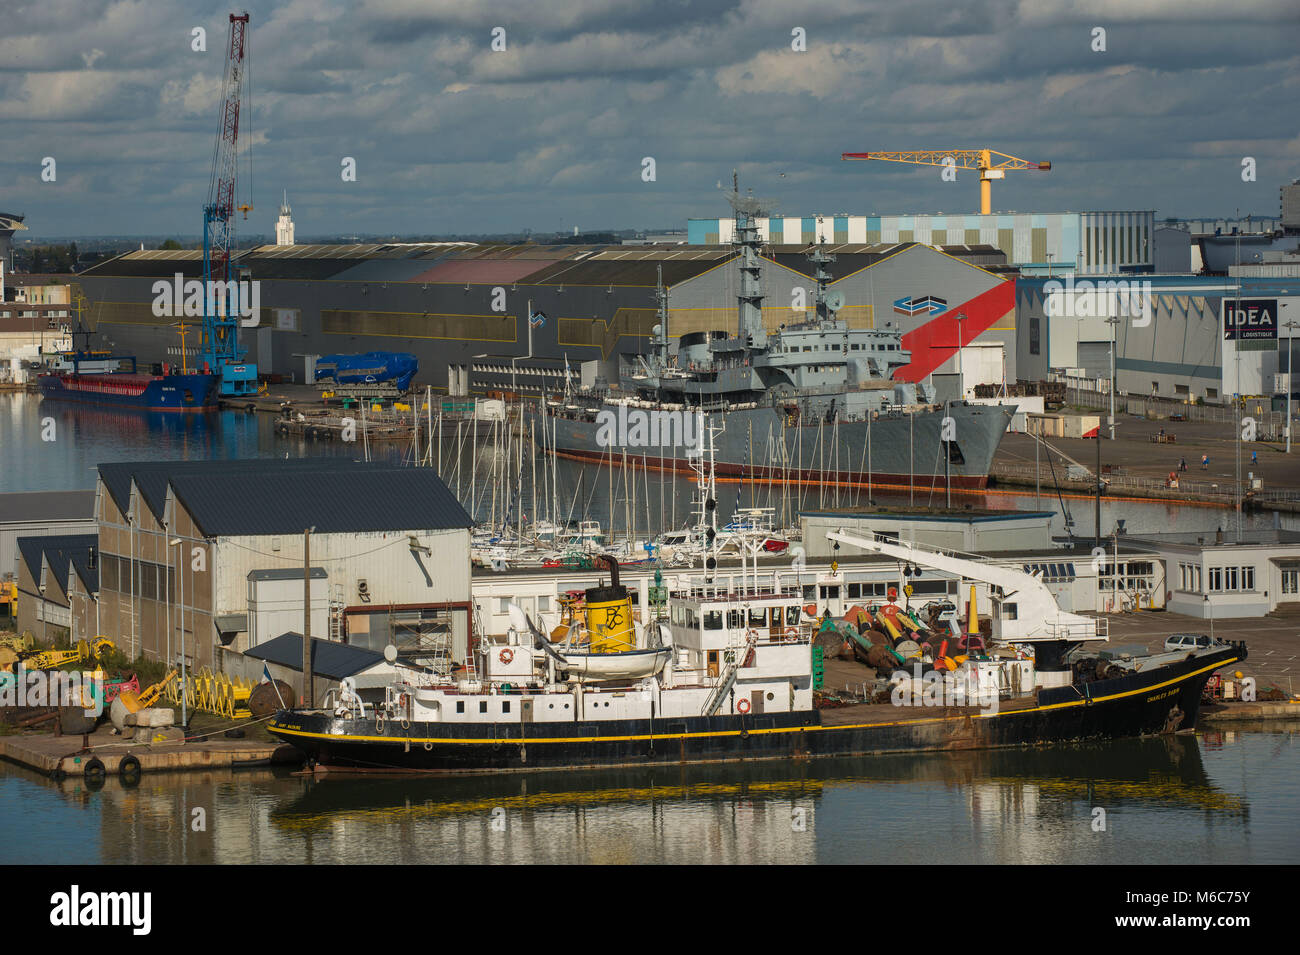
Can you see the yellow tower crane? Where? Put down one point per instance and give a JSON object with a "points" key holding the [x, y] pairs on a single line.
{"points": [[991, 165]]}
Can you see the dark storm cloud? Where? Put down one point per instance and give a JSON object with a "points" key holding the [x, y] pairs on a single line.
{"points": [[452, 137]]}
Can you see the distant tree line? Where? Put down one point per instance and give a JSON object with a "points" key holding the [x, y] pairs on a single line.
{"points": [[46, 258]]}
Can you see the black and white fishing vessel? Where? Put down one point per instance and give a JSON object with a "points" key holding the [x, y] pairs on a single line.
{"points": [[728, 674]]}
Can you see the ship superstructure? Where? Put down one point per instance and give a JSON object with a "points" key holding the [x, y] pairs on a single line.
{"points": [[811, 402]]}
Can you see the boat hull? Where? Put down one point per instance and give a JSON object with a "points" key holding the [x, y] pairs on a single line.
{"points": [[760, 445], [633, 665], [175, 393], [1165, 700]]}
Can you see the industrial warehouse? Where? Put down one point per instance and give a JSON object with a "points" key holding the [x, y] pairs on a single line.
{"points": [[181, 566], [535, 319]]}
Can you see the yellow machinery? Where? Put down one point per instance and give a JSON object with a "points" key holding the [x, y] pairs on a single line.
{"points": [[609, 614], [8, 598], [83, 651], [213, 692], [134, 702], [983, 160], [19, 644]]}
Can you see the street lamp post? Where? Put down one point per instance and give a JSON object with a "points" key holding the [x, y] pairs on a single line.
{"points": [[175, 542], [961, 378], [1112, 321], [1238, 400], [1290, 379]]}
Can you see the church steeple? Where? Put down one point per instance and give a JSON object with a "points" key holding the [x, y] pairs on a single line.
{"points": [[284, 226]]}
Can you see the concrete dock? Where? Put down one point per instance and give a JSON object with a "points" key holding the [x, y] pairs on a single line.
{"points": [[64, 755], [1137, 467]]}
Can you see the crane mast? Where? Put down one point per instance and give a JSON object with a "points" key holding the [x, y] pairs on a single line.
{"points": [[219, 345]]}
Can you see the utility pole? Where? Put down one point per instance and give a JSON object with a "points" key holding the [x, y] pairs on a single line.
{"points": [[1290, 376], [308, 698], [961, 378], [1238, 400], [1038, 481], [1112, 321], [1097, 514], [947, 457]]}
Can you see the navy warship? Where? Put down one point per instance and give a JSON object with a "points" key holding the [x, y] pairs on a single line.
{"points": [[812, 403]]}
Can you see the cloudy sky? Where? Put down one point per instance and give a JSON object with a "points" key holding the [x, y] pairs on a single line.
{"points": [[451, 136]]}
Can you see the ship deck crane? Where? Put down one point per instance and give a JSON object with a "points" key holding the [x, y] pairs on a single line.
{"points": [[990, 164], [1038, 616], [219, 343]]}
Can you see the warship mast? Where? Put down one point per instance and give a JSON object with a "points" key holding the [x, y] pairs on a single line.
{"points": [[749, 301]]}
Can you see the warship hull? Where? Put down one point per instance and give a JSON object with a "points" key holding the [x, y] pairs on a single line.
{"points": [[1165, 699], [760, 444]]}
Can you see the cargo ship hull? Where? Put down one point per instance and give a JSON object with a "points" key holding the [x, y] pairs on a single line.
{"points": [[1165, 699], [761, 445], [173, 392]]}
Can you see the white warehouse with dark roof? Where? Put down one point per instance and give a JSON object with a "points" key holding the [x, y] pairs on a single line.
{"points": [[188, 549]]}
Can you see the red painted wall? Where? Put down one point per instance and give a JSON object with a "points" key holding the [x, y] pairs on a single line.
{"points": [[936, 341]]}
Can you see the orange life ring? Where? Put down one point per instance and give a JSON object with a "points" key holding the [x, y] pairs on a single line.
{"points": [[506, 655], [743, 706], [791, 635]]}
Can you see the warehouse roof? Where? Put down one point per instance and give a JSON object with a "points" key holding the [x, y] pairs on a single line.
{"points": [[492, 264], [441, 262], [328, 659], [35, 507], [363, 498], [152, 477], [62, 552]]}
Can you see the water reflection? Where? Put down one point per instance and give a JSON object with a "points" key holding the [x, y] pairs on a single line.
{"points": [[494, 488], [1165, 799]]}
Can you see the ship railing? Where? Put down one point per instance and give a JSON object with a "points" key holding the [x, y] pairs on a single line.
{"points": [[1097, 628], [343, 705]]}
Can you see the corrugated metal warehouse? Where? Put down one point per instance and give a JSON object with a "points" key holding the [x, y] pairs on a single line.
{"points": [[462, 308], [1179, 350], [185, 546]]}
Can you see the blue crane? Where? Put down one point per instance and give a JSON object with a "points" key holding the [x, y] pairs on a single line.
{"points": [[225, 295]]}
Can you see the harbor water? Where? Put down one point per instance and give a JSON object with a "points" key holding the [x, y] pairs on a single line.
{"points": [[57, 446], [1223, 796]]}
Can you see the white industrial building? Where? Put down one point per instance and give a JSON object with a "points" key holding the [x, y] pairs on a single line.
{"points": [[1086, 242], [1229, 574], [210, 556], [1183, 337]]}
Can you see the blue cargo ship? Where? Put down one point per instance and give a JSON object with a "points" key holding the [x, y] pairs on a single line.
{"points": [[90, 378]]}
